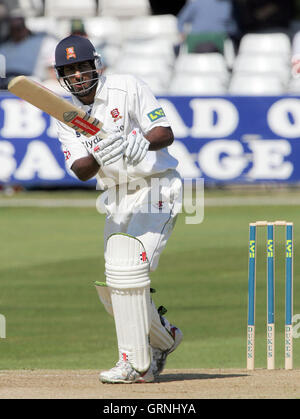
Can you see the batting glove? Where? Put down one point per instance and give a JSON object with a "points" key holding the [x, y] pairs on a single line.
{"points": [[137, 147], [110, 149]]}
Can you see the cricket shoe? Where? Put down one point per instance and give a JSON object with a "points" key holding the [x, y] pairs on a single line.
{"points": [[160, 356], [124, 373]]}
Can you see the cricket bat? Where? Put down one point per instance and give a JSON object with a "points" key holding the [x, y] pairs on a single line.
{"points": [[55, 106]]}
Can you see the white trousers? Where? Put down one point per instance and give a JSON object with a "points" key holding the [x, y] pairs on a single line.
{"points": [[146, 209], [148, 213]]}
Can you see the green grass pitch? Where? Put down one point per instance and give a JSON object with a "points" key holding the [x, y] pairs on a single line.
{"points": [[50, 258]]}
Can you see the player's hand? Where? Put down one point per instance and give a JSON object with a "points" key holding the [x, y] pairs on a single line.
{"points": [[110, 149], [137, 147]]}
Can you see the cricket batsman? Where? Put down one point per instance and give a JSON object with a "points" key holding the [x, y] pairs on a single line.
{"points": [[140, 220]]}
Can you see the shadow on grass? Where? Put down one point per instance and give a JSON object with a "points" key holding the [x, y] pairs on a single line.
{"points": [[195, 376]]}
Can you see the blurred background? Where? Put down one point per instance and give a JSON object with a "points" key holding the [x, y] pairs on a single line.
{"points": [[220, 68]]}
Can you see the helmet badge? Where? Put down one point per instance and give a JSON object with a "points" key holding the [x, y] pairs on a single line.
{"points": [[70, 53]]}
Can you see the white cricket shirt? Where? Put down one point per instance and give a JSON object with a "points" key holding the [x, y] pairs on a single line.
{"points": [[122, 102]]}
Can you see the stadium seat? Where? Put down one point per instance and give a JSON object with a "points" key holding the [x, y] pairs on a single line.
{"points": [[261, 64], [246, 85], [144, 67], [156, 48], [156, 84], [296, 43], [123, 9], [196, 85], [42, 24], [104, 29], [31, 8], [229, 53], [109, 54], [293, 87], [151, 27], [59, 28], [267, 43], [76, 8], [210, 64]]}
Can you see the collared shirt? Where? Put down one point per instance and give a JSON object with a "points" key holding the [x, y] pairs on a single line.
{"points": [[123, 103], [206, 16]]}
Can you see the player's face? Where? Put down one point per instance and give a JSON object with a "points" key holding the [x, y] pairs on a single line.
{"points": [[80, 75]]}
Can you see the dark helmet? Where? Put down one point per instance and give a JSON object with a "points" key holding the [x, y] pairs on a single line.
{"points": [[76, 49]]}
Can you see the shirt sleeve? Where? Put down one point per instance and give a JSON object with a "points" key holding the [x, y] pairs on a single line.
{"points": [[185, 15], [145, 108], [71, 145]]}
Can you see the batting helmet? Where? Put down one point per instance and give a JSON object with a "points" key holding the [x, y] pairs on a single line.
{"points": [[75, 49]]}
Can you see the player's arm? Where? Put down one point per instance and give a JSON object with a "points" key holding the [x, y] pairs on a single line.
{"points": [[85, 168], [154, 132], [160, 137]]}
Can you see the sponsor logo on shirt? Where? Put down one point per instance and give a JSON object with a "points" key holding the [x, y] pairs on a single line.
{"points": [[156, 114], [92, 143]]}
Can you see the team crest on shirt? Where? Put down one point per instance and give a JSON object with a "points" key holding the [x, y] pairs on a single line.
{"points": [[67, 155], [115, 113], [70, 53]]}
